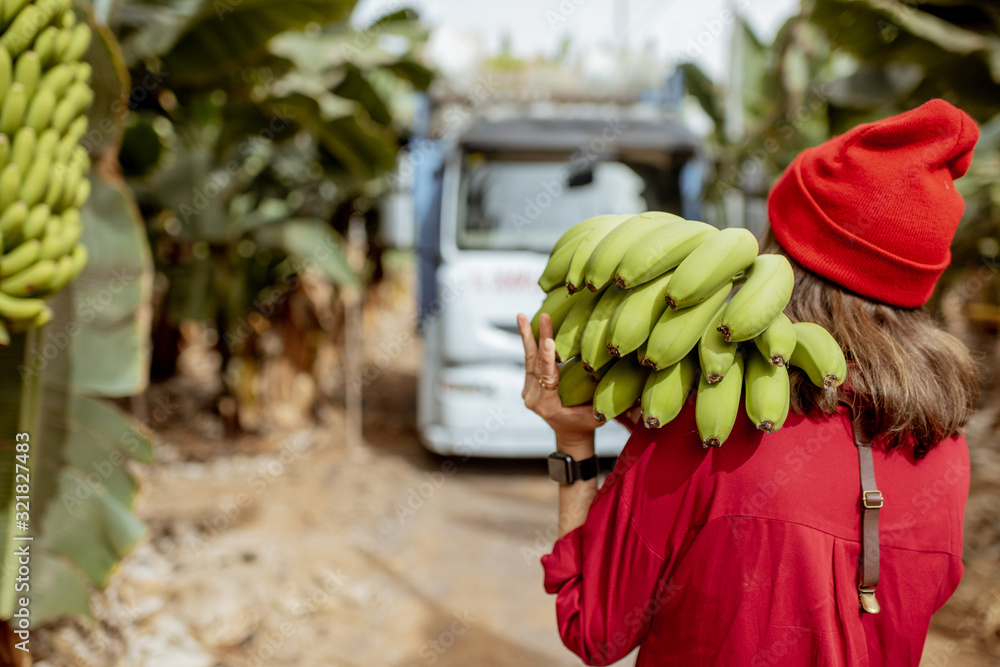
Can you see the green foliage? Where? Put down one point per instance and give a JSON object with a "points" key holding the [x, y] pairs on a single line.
{"points": [[81, 489], [839, 63]]}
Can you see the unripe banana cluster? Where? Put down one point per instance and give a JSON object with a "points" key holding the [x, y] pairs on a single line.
{"points": [[643, 308], [44, 96]]}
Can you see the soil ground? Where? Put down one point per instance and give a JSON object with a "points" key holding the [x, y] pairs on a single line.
{"points": [[293, 549]]}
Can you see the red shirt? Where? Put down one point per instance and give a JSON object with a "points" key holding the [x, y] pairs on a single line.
{"points": [[748, 554]]}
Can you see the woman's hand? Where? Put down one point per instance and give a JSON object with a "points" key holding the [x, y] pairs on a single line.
{"points": [[574, 426]]}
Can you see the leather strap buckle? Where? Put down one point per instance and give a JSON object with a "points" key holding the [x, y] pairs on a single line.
{"points": [[866, 598], [875, 503]]}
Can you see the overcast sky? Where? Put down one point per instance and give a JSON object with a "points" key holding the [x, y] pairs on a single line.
{"points": [[679, 29]]}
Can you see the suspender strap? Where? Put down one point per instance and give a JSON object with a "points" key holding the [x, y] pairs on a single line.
{"points": [[871, 502]]}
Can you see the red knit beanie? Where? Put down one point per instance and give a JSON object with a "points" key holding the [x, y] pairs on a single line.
{"points": [[875, 209]]}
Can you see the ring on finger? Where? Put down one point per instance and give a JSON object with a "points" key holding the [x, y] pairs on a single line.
{"points": [[548, 385]]}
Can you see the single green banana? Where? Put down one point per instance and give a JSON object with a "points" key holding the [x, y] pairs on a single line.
{"points": [[640, 354], [69, 190], [83, 72], [14, 308], [58, 79], [819, 355], [579, 230], [78, 44], [760, 300], [28, 71], [715, 354], [578, 264], [34, 224], [31, 280], [600, 269], [68, 19], [576, 386], [554, 274], [718, 404], [72, 228], [10, 185], [52, 242], [11, 8], [22, 149], [77, 99], [619, 389], [64, 271], [61, 43], [557, 304], [45, 45], [660, 251], [47, 144], [79, 257], [778, 341], [40, 110], [767, 392], [12, 219], [6, 72], [677, 332], [594, 340], [636, 315], [74, 133], [571, 329], [710, 266], [54, 190], [36, 180], [82, 193], [14, 105], [22, 31], [666, 391]]}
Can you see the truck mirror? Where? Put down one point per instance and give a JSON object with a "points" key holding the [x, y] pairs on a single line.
{"points": [[581, 178]]}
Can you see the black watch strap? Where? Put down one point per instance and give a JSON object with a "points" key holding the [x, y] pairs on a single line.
{"points": [[563, 469]]}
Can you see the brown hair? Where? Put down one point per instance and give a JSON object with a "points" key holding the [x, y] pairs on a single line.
{"points": [[913, 382]]}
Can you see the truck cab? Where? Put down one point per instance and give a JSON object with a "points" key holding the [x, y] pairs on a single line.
{"points": [[495, 202]]}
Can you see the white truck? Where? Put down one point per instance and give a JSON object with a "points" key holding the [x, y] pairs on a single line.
{"points": [[488, 211]]}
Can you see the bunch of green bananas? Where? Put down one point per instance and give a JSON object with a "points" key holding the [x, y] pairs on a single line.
{"points": [[659, 307], [44, 97]]}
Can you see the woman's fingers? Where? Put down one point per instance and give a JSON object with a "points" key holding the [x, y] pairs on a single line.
{"points": [[545, 361], [530, 351]]}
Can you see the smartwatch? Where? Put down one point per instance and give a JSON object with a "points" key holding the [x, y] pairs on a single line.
{"points": [[563, 469]]}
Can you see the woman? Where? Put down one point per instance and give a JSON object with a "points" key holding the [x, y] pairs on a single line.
{"points": [[754, 553]]}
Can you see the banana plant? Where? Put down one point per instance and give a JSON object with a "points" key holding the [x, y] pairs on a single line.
{"points": [[267, 128], [839, 63], [66, 492]]}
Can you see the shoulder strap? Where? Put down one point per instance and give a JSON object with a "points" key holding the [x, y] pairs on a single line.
{"points": [[871, 503]]}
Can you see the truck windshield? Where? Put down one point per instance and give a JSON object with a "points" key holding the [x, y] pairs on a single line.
{"points": [[527, 205]]}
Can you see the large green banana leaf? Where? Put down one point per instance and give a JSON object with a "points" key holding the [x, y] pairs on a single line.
{"points": [[227, 34], [81, 488]]}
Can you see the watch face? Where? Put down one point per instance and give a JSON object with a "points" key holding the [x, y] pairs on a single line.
{"points": [[559, 467]]}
